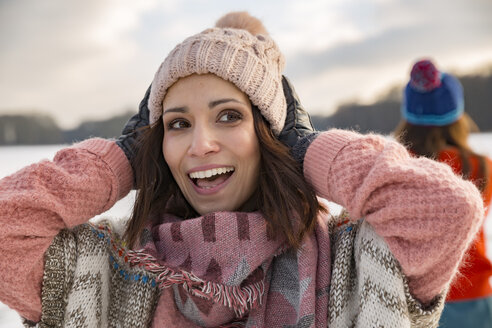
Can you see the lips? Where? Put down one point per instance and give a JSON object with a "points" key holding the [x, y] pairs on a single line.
{"points": [[214, 181], [211, 178]]}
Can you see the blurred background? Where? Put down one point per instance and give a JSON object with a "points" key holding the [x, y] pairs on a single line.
{"points": [[74, 69]]}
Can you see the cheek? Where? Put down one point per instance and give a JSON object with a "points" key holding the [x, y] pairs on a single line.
{"points": [[256, 163], [250, 153], [170, 152], [253, 147], [244, 140]]}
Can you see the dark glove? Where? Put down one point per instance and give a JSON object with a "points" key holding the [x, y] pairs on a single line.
{"points": [[297, 122], [300, 148], [298, 131], [128, 139]]}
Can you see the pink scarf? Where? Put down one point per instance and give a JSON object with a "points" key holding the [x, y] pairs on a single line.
{"points": [[225, 270]]}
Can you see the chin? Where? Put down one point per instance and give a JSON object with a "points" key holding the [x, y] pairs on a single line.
{"points": [[213, 209]]}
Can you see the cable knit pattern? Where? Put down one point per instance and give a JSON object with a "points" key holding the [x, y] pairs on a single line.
{"points": [[55, 195], [426, 214], [253, 63]]}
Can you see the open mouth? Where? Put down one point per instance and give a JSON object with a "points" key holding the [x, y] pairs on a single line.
{"points": [[211, 178]]}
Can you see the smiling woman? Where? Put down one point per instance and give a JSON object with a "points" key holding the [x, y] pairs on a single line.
{"points": [[217, 120], [216, 145], [227, 229]]}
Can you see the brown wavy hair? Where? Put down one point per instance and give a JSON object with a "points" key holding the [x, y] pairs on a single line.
{"points": [[283, 196], [429, 141]]}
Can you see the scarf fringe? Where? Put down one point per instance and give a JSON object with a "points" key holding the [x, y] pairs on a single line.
{"points": [[240, 299]]}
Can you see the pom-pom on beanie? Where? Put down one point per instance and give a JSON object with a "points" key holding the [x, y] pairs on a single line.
{"points": [[432, 98], [237, 50]]}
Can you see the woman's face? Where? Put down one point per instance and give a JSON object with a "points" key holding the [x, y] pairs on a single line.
{"points": [[210, 143]]}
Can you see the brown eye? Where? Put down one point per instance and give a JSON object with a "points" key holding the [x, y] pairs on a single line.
{"points": [[178, 124], [229, 116]]}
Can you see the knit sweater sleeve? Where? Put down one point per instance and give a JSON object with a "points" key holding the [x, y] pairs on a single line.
{"points": [[40, 200], [426, 213]]}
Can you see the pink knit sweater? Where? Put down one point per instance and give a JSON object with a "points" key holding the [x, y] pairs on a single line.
{"points": [[427, 215]]}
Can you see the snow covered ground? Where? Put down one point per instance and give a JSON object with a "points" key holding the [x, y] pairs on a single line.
{"points": [[16, 157]]}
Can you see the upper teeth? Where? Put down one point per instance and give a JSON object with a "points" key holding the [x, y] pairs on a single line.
{"points": [[209, 173]]}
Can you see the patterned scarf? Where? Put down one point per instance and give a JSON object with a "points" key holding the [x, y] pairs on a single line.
{"points": [[226, 270], [223, 270]]}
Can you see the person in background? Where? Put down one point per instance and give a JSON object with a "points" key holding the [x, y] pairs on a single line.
{"points": [[435, 125]]}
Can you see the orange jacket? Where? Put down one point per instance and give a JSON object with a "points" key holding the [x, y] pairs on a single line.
{"points": [[473, 281]]}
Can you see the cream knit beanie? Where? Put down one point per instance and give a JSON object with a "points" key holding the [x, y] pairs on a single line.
{"points": [[253, 63]]}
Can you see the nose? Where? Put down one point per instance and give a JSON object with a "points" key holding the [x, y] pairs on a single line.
{"points": [[204, 142]]}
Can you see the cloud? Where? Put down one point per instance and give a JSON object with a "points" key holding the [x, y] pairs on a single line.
{"points": [[405, 32], [391, 45], [63, 54], [396, 33], [96, 57], [363, 47]]}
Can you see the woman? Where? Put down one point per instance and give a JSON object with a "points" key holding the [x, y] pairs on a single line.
{"points": [[227, 230], [441, 131]]}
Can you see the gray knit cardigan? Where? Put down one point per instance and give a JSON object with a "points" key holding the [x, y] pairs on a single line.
{"points": [[88, 283]]}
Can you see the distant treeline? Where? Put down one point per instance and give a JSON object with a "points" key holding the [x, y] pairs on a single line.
{"points": [[381, 117], [42, 129]]}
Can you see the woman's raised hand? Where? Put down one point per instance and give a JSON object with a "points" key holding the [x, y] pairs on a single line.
{"points": [[297, 122], [128, 139], [298, 131]]}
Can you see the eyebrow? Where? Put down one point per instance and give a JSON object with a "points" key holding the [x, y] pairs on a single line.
{"points": [[176, 110], [222, 101], [211, 105]]}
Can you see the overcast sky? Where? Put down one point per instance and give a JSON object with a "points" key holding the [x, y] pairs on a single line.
{"points": [[95, 58]]}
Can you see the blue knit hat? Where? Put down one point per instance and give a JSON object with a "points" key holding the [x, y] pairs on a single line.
{"points": [[431, 97]]}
